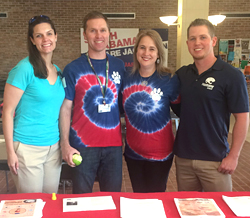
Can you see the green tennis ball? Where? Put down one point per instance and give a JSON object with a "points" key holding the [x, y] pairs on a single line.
{"points": [[77, 159]]}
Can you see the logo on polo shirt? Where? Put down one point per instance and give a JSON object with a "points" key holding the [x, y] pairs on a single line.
{"points": [[209, 83]]}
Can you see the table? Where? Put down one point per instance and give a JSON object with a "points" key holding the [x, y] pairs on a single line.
{"points": [[54, 209]]}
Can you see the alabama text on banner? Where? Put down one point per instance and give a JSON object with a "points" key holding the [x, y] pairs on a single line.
{"points": [[122, 42]]}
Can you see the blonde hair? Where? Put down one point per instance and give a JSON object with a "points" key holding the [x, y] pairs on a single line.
{"points": [[160, 68]]}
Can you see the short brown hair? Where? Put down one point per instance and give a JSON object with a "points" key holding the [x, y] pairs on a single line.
{"points": [[94, 15], [202, 22]]}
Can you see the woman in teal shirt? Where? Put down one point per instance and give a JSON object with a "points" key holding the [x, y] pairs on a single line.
{"points": [[33, 95]]}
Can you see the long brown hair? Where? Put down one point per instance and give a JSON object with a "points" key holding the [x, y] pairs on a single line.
{"points": [[160, 68], [35, 58]]}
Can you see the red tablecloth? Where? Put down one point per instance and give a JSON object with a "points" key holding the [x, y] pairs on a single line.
{"points": [[54, 209]]}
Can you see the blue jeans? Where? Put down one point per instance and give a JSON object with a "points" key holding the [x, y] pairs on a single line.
{"points": [[103, 163]]}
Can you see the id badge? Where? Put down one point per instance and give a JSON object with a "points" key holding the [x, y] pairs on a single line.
{"points": [[104, 108]]}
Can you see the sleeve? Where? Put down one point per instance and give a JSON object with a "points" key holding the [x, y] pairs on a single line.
{"points": [[176, 108], [236, 93], [70, 83], [21, 75], [175, 92]]}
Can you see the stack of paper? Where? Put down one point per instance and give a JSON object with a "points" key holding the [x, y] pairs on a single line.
{"points": [[146, 208], [88, 203], [31, 208], [239, 205], [198, 207]]}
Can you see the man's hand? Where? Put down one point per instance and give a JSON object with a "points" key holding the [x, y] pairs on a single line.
{"points": [[239, 133], [228, 165], [67, 153]]}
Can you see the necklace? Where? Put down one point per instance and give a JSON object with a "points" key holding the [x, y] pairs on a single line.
{"points": [[144, 80], [144, 83]]}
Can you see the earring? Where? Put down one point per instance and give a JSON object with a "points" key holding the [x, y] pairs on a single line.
{"points": [[158, 61]]}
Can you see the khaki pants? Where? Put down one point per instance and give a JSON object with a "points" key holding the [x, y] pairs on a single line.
{"points": [[39, 168], [199, 175]]}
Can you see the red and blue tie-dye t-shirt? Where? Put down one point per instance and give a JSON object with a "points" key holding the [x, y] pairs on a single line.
{"points": [[146, 102], [90, 128]]}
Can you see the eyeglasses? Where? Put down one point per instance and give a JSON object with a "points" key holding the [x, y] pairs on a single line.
{"points": [[34, 18]]}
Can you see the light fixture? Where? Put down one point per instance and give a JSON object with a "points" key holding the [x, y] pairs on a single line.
{"points": [[169, 20], [215, 19]]}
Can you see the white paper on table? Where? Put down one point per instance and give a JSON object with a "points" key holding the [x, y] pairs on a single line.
{"points": [[239, 205], [88, 203], [39, 209], [146, 208]]}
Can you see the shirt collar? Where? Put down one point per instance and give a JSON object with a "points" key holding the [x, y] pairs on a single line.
{"points": [[218, 65]]}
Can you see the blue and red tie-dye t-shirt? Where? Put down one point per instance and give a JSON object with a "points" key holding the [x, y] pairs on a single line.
{"points": [[147, 112], [90, 128]]}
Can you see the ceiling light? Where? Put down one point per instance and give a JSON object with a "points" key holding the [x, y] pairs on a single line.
{"points": [[215, 19], [169, 20]]}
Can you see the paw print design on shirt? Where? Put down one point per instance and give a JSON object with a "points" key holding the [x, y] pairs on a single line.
{"points": [[116, 77], [156, 94]]}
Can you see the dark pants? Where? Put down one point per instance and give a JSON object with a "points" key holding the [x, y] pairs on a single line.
{"points": [[148, 176], [104, 163]]}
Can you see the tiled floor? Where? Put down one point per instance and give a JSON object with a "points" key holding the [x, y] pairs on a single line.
{"points": [[241, 177]]}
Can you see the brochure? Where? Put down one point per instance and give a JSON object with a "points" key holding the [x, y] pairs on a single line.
{"points": [[31, 208], [198, 207]]}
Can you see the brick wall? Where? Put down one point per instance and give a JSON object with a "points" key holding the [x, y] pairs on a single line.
{"points": [[231, 28], [68, 14]]}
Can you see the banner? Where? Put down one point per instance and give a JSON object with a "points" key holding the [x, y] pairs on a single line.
{"points": [[122, 42]]}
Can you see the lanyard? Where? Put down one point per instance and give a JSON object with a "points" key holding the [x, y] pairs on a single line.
{"points": [[98, 79]]}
